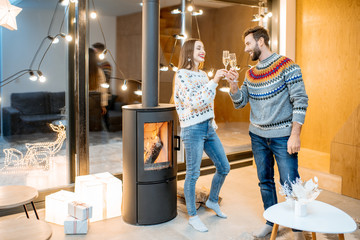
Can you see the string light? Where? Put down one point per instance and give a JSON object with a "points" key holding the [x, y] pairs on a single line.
{"points": [[42, 78], [64, 2], [173, 67], [163, 68], [190, 8], [124, 87], [93, 15], [210, 73], [32, 77], [68, 38], [102, 55], [105, 85], [200, 12], [175, 11], [138, 92]]}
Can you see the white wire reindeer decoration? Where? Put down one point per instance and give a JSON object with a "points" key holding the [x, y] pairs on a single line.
{"points": [[38, 154]]}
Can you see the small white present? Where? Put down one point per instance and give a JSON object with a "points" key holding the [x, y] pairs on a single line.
{"points": [[56, 206], [79, 210], [75, 226], [103, 191]]}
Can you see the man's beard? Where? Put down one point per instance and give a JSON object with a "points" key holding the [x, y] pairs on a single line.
{"points": [[256, 53]]}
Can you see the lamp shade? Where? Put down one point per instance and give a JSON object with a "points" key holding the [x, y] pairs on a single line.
{"points": [[8, 15]]}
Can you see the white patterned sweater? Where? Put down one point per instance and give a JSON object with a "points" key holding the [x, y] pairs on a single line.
{"points": [[194, 97]]}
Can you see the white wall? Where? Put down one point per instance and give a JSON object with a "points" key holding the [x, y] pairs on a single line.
{"points": [[19, 47]]}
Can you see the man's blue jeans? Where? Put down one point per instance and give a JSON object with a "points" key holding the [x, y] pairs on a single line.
{"points": [[264, 150], [198, 138]]}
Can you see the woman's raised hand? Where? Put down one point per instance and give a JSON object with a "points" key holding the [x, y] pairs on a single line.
{"points": [[219, 75]]}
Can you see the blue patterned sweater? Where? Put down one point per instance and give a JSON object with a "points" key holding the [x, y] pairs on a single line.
{"points": [[276, 93]]}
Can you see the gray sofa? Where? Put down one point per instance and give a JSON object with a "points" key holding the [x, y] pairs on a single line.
{"points": [[32, 112]]}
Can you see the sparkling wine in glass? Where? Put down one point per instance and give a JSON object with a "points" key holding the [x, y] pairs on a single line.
{"points": [[233, 63], [226, 58]]}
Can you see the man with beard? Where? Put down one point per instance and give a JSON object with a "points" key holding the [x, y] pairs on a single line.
{"points": [[276, 93]]}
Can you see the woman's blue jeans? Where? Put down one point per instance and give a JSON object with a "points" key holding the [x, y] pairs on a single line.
{"points": [[264, 150], [198, 138]]}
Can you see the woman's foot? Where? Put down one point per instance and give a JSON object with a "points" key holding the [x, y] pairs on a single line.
{"points": [[265, 230], [299, 236], [196, 223], [215, 206]]}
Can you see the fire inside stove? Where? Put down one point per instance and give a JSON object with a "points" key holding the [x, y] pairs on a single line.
{"points": [[157, 145]]}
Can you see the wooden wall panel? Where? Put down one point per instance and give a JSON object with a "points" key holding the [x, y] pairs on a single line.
{"points": [[328, 52], [222, 29]]}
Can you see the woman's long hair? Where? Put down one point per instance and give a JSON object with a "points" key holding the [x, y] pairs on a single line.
{"points": [[93, 71], [186, 60]]}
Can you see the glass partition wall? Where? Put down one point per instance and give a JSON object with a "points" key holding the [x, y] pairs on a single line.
{"points": [[56, 120], [34, 91]]}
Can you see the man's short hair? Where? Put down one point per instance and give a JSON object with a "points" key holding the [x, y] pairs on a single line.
{"points": [[257, 33], [99, 46]]}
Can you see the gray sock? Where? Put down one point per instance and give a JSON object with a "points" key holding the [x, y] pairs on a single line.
{"points": [[196, 223], [215, 206]]}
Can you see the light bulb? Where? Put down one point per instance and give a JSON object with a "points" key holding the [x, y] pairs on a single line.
{"points": [[211, 73], [32, 77], [41, 76], [138, 92], [42, 79], [101, 56], [55, 41], [164, 68], [68, 38], [65, 2], [175, 11], [225, 89], [190, 8], [93, 15], [124, 87], [105, 85]]}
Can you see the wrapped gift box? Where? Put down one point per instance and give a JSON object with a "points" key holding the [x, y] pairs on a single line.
{"points": [[75, 226], [103, 192], [79, 210], [56, 206]]}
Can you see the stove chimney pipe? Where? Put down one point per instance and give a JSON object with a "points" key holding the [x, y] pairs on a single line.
{"points": [[150, 53]]}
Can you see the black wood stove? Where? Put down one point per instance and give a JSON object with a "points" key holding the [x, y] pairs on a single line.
{"points": [[149, 141]]}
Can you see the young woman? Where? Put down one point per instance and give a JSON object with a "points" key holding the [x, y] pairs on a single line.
{"points": [[194, 100]]}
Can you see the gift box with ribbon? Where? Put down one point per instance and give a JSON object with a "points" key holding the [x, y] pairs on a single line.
{"points": [[56, 206], [79, 210], [75, 226], [103, 192]]}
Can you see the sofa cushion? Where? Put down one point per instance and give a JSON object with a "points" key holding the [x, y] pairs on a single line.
{"points": [[57, 101], [45, 118], [30, 103]]}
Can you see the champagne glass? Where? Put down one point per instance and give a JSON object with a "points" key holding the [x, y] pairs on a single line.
{"points": [[233, 63], [226, 58]]}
